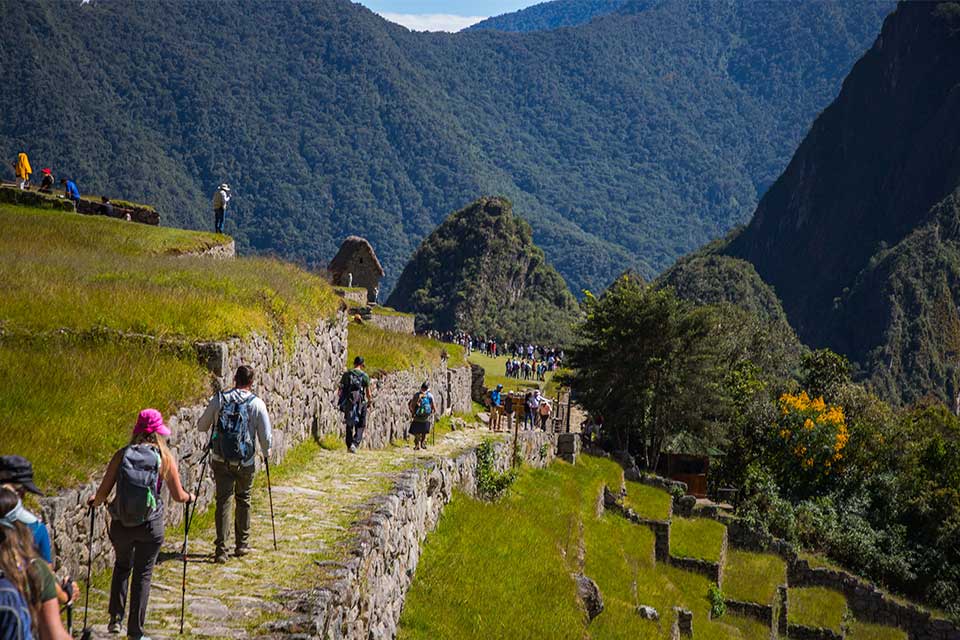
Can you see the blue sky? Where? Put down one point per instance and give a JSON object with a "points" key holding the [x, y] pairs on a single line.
{"points": [[442, 15]]}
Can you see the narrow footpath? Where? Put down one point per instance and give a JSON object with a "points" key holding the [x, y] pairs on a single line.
{"points": [[317, 495]]}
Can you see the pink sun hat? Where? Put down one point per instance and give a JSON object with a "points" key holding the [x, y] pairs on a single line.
{"points": [[151, 421]]}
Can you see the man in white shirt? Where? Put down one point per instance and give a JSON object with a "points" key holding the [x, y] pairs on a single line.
{"points": [[239, 419]]}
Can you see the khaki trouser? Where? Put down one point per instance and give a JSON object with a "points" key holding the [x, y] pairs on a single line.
{"points": [[495, 417], [232, 480]]}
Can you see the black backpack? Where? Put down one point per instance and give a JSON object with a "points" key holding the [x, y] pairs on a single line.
{"points": [[136, 501], [232, 439], [15, 621], [352, 396]]}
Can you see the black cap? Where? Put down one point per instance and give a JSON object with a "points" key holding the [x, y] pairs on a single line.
{"points": [[358, 361], [425, 385], [18, 470]]}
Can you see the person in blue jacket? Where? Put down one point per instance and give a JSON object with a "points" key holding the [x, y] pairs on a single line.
{"points": [[16, 472], [71, 192]]}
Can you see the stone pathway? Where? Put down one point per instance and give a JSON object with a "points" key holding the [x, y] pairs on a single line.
{"points": [[316, 498]]}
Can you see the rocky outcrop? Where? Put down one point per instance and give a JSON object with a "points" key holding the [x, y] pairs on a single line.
{"points": [[217, 251], [365, 594], [589, 594]]}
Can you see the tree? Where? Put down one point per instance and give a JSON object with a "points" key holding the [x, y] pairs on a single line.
{"points": [[824, 372], [647, 362]]}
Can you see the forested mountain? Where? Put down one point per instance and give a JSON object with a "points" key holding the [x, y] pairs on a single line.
{"points": [[625, 142], [480, 272], [860, 236], [549, 15]]}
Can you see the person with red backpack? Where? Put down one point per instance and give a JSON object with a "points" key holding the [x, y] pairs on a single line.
{"points": [[239, 419], [422, 409], [138, 471]]}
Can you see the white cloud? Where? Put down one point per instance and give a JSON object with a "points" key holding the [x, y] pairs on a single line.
{"points": [[432, 21]]}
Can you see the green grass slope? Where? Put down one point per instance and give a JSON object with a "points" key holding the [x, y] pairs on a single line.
{"points": [[84, 299]]}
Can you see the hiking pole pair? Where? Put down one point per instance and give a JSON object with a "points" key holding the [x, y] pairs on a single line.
{"points": [[87, 633], [187, 517]]}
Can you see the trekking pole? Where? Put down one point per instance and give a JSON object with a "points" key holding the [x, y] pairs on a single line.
{"points": [[87, 633], [187, 518], [273, 524]]}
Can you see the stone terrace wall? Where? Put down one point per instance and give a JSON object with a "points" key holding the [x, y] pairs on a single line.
{"points": [[395, 323], [299, 389], [389, 416], [365, 595]]}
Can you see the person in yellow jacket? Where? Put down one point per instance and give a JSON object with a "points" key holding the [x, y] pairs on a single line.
{"points": [[22, 168]]}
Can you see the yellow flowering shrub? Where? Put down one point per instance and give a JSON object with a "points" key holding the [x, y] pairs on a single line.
{"points": [[810, 436]]}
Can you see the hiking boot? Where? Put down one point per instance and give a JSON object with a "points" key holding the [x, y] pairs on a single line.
{"points": [[353, 448], [114, 627], [220, 557], [243, 551]]}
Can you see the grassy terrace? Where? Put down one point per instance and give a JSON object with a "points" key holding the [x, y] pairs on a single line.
{"points": [[753, 577], [648, 502], [696, 538], [502, 570], [816, 607], [386, 351], [493, 374], [863, 631], [71, 397]]}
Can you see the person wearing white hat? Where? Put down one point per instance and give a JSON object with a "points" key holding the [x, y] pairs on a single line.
{"points": [[220, 200]]}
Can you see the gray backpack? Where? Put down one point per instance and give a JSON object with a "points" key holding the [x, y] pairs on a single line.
{"points": [[138, 481]]}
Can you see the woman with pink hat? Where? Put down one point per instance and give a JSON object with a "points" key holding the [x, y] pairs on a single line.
{"points": [[138, 471]]}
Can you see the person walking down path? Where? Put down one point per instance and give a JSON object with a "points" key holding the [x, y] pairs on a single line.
{"points": [[354, 398], [496, 407], [71, 192], [28, 595], [138, 471], [544, 411], [23, 171], [239, 419], [422, 409], [16, 473], [220, 201]]}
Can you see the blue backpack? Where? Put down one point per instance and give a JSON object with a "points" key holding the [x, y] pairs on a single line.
{"points": [[232, 439], [424, 408], [15, 621], [136, 501]]}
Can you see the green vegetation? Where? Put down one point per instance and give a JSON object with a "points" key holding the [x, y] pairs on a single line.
{"points": [[386, 351], [68, 405], [494, 368], [753, 577], [857, 630], [619, 138], [73, 385], [648, 502], [387, 311], [87, 274], [503, 570], [549, 15], [816, 607], [491, 483], [700, 538], [718, 602], [480, 272]]}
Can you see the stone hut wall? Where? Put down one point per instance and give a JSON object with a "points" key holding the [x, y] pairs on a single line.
{"points": [[365, 596], [395, 323]]}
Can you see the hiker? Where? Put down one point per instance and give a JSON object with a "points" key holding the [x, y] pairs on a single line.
{"points": [[16, 473], [239, 419], [138, 471], [422, 408], [46, 182], [544, 410], [496, 407], [106, 208], [531, 404], [22, 168], [71, 192], [508, 411], [220, 201], [353, 401], [28, 595]]}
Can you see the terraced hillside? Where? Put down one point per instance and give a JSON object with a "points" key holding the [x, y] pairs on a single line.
{"points": [[508, 569], [99, 317]]}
